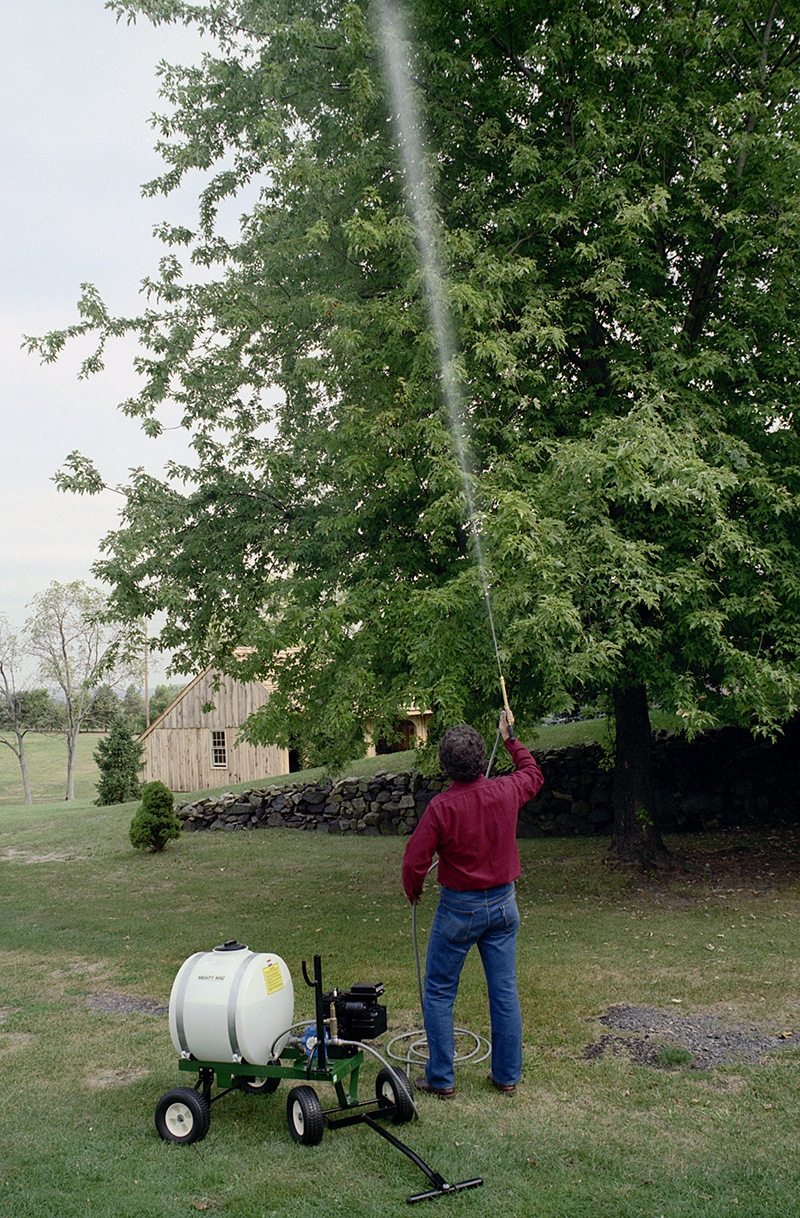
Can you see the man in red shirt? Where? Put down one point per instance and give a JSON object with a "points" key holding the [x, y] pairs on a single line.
{"points": [[472, 826]]}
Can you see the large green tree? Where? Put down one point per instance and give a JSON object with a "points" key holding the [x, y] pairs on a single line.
{"points": [[613, 206], [102, 710], [161, 698]]}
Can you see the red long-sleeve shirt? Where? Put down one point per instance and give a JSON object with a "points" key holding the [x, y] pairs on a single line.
{"points": [[472, 826]]}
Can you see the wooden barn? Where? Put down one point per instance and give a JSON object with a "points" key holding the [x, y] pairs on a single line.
{"points": [[189, 748]]}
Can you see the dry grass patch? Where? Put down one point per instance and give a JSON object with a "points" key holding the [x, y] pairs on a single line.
{"points": [[13, 1042], [104, 1080], [31, 856]]}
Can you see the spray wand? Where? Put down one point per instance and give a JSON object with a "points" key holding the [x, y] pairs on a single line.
{"points": [[506, 707]]}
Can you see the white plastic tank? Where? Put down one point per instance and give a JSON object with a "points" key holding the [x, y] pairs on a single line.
{"points": [[231, 1005]]}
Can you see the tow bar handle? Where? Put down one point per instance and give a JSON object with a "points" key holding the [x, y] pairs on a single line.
{"points": [[440, 1186], [445, 1190]]}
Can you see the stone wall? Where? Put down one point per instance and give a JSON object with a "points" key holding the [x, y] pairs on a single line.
{"points": [[383, 803], [722, 780]]}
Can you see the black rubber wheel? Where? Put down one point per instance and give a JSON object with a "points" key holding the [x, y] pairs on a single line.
{"points": [[304, 1114], [183, 1115], [393, 1088], [258, 1086]]}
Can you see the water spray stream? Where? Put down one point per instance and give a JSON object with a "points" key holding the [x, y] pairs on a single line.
{"points": [[395, 48]]}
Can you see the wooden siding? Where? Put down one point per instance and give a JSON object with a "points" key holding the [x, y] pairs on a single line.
{"points": [[178, 745]]}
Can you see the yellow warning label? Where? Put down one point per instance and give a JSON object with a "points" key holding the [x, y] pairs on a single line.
{"points": [[273, 978]]}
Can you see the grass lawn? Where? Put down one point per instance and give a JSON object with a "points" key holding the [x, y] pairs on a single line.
{"points": [[93, 934], [47, 767]]}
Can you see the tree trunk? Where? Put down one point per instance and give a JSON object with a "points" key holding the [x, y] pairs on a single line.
{"points": [[72, 757], [27, 793], [636, 838], [19, 752]]}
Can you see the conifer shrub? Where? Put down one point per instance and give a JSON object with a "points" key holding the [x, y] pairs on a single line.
{"points": [[155, 822], [119, 760]]}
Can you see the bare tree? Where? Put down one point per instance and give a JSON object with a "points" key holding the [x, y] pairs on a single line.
{"points": [[76, 646], [13, 725]]}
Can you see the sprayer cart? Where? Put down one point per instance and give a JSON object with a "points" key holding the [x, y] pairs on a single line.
{"points": [[231, 1015]]}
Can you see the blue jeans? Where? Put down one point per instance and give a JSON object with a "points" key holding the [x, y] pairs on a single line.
{"points": [[490, 919]]}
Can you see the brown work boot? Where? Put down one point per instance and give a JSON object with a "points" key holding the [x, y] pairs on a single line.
{"points": [[443, 1093], [504, 1088]]}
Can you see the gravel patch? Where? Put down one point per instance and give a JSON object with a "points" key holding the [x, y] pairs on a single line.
{"points": [[709, 1039]]}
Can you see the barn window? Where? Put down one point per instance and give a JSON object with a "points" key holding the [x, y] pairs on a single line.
{"points": [[219, 752]]}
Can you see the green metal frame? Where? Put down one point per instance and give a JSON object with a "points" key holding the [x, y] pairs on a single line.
{"points": [[339, 1071]]}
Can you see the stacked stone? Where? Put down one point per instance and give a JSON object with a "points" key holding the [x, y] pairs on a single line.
{"points": [[721, 780], [381, 804], [576, 799]]}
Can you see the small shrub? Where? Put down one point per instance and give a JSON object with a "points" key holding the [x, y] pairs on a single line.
{"points": [[155, 822], [119, 760]]}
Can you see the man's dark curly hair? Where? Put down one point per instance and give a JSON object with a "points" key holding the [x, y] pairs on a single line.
{"points": [[462, 753]]}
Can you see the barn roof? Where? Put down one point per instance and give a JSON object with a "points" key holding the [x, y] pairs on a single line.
{"points": [[189, 690]]}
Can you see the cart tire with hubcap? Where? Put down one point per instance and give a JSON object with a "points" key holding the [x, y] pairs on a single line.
{"points": [[258, 1086], [304, 1114], [183, 1115], [392, 1087]]}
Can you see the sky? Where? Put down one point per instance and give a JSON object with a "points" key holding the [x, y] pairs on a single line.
{"points": [[76, 93]]}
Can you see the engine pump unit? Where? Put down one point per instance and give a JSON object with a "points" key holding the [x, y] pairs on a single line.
{"points": [[359, 1014]]}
